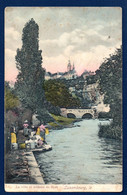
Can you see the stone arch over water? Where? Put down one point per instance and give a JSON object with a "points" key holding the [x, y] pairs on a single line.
{"points": [[70, 115], [87, 116]]}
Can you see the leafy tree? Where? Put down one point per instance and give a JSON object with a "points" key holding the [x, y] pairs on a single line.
{"points": [[86, 103], [91, 79], [11, 101], [58, 94], [29, 84], [110, 82]]}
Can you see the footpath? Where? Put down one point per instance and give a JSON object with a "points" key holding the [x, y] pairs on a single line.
{"points": [[21, 166]]}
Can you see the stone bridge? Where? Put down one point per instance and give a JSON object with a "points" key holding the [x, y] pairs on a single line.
{"points": [[79, 113]]}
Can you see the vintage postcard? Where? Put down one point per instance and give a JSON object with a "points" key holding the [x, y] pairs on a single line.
{"points": [[63, 99]]}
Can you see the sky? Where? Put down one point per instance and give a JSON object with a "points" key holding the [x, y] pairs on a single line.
{"points": [[83, 35]]}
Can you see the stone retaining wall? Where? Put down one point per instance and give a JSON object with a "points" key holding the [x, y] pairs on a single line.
{"points": [[34, 169]]}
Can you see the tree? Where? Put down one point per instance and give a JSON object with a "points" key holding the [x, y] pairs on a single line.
{"points": [[58, 94], [11, 101], [30, 80], [91, 79], [110, 83]]}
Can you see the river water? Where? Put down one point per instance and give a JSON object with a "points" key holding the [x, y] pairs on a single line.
{"points": [[79, 156]]}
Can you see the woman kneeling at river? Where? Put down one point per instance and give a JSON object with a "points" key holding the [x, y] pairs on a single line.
{"points": [[41, 132]]}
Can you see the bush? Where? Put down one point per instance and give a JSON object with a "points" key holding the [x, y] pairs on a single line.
{"points": [[110, 131], [7, 140], [51, 108], [104, 115], [58, 94], [10, 117], [11, 100]]}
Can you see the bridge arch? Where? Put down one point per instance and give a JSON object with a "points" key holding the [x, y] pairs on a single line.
{"points": [[71, 115], [87, 116], [79, 113]]}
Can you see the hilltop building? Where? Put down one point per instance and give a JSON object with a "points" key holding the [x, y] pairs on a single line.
{"points": [[69, 74], [69, 66]]}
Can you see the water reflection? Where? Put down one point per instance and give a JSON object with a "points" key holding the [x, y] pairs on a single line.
{"points": [[79, 156], [111, 151]]}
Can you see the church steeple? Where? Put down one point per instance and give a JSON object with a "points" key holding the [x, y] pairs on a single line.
{"points": [[69, 66], [73, 66]]}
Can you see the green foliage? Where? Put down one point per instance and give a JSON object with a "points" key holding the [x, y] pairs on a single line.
{"points": [[51, 108], [11, 101], [110, 83], [104, 115], [29, 85], [63, 120], [110, 131], [54, 124], [91, 79], [86, 103], [58, 94]]}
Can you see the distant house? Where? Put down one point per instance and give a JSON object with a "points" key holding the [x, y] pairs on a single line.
{"points": [[87, 73], [71, 89], [47, 75]]}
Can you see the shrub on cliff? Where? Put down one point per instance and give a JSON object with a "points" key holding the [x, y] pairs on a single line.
{"points": [[104, 115]]}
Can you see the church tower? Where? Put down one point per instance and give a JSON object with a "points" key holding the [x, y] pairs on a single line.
{"points": [[69, 66], [73, 66]]}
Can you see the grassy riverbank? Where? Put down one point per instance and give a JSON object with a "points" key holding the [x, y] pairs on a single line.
{"points": [[61, 122]]}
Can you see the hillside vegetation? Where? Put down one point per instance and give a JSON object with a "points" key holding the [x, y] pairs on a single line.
{"points": [[110, 83]]}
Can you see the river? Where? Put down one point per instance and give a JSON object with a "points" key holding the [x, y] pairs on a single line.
{"points": [[79, 156]]}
